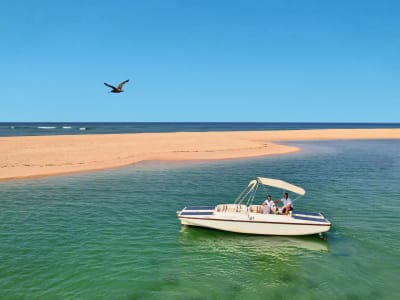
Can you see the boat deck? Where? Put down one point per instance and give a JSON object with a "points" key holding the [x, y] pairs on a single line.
{"points": [[198, 211], [200, 208], [210, 210]]}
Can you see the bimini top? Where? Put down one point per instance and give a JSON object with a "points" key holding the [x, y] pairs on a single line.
{"points": [[278, 184]]}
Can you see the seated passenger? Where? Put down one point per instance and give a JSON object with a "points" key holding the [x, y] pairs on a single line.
{"points": [[287, 204], [265, 209], [268, 205]]}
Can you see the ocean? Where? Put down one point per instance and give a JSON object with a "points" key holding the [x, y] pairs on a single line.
{"points": [[64, 128], [114, 234]]}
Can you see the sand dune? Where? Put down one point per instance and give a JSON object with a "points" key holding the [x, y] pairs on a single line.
{"points": [[35, 156]]}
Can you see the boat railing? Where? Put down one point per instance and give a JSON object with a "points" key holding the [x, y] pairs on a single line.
{"points": [[231, 208], [255, 208]]}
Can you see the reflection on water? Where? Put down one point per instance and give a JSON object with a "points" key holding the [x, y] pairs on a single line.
{"points": [[246, 265], [208, 240]]}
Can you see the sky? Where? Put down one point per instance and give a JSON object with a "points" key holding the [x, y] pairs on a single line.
{"points": [[200, 61]]}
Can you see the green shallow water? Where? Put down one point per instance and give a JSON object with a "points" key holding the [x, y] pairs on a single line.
{"points": [[115, 235]]}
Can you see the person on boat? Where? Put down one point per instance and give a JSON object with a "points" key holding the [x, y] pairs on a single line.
{"points": [[287, 204], [265, 208], [268, 205]]}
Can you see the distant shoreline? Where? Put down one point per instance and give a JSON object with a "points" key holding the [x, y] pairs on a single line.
{"points": [[39, 156]]}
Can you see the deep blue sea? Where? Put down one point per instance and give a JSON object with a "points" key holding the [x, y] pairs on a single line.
{"points": [[114, 234], [59, 128]]}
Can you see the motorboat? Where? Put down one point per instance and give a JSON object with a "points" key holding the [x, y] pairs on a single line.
{"points": [[243, 216]]}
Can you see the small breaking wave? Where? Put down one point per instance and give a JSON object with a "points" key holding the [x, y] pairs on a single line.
{"points": [[21, 127], [46, 127], [66, 127]]}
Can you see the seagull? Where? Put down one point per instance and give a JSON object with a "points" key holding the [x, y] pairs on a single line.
{"points": [[116, 89]]}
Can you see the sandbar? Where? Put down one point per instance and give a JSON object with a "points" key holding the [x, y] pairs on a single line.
{"points": [[38, 156]]}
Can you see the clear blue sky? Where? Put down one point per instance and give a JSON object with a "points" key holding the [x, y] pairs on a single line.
{"points": [[199, 60]]}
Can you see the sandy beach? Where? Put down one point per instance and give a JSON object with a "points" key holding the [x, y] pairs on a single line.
{"points": [[36, 156]]}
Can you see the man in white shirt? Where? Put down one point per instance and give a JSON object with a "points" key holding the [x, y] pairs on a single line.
{"points": [[287, 204]]}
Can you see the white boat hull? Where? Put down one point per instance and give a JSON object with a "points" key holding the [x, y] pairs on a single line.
{"points": [[255, 223]]}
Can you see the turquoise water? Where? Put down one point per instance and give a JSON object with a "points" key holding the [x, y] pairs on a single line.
{"points": [[114, 234]]}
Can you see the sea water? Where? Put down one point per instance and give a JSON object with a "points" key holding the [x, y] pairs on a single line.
{"points": [[66, 128], [114, 234]]}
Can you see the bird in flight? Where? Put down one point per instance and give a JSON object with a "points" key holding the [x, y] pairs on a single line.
{"points": [[117, 89]]}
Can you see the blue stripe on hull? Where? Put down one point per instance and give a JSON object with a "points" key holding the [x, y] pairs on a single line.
{"points": [[196, 213], [200, 208], [307, 213], [310, 219]]}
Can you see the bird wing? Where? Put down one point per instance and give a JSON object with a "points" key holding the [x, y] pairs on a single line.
{"points": [[122, 84], [109, 85]]}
